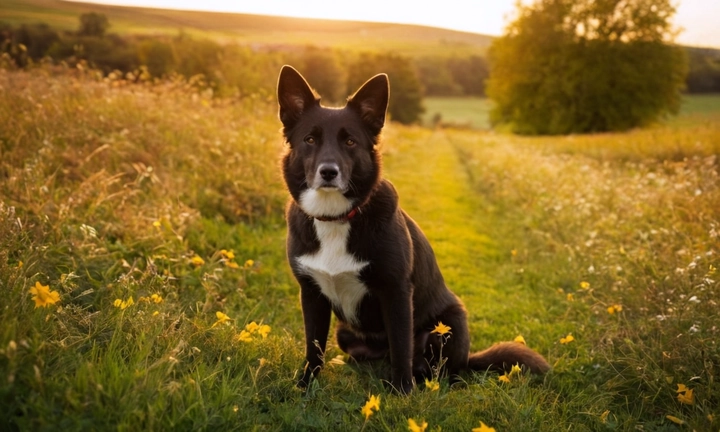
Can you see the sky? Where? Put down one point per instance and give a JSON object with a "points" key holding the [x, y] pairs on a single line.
{"points": [[698, 18]]}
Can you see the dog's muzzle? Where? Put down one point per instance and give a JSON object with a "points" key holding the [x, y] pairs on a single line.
{"points": [[328, 175]]}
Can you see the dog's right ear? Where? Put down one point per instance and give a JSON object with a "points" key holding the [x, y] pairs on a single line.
{"points": [[294, 96]]}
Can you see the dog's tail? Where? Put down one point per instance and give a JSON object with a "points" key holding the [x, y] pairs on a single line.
{"points": [[502, 356]]}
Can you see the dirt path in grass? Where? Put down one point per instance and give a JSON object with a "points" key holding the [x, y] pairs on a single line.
{"points": [[435, 189]]}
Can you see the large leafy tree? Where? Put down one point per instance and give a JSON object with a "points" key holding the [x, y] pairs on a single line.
{"points": [[573, 66]]}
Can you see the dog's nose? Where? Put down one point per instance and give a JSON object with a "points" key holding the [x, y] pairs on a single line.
{"points": [[328, 171]]}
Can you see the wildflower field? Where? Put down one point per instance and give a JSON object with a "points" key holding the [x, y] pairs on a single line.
{"points": [[144, 283]]}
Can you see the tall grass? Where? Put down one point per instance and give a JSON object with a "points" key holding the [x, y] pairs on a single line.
{"points": [[114, 191], [627, 220]]}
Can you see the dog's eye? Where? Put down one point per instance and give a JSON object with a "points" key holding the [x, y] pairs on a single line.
{"points": [[310, 139], [350, 142]]}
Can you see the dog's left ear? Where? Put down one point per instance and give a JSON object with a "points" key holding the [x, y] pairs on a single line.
{"points": [[371, 101], [294, 96]]}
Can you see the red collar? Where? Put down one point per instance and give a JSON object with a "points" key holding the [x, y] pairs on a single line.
{"points": [[342, 218]]}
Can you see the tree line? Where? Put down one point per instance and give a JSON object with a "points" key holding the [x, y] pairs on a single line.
{"points": [[243, 70], [239, 69]]}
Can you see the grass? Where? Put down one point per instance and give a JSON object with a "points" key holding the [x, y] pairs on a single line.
{"points": [[474, 112], [112, 191], [457, 112]]}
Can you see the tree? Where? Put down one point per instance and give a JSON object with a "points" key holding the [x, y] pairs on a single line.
{"points": [[569, 66], [93, 24], [405, 88], [321, 69], [470, 73]]}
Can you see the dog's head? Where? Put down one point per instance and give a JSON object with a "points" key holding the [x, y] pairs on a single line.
{"points": [[332, 163]]}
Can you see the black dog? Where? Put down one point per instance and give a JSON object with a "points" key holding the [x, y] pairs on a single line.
{"points": [[356, 253]]}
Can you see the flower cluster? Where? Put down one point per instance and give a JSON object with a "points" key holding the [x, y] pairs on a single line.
{"points": [[515, 371], [122, 304], [251, 329]]}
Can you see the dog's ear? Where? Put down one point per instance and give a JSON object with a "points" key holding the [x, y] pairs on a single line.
{"points": [[294, 96], [371, 101]]}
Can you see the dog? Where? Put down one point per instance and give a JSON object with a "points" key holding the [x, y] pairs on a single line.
{"points": [[356, 253]]}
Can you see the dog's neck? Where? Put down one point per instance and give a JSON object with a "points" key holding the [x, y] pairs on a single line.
{"points": [[341, 218]]}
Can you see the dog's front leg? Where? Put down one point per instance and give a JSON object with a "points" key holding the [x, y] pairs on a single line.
{"points": [[396, 305], [316, 316]]}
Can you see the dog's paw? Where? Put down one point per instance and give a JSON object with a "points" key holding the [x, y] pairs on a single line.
{"points": [[402, 387], [309, 375]]}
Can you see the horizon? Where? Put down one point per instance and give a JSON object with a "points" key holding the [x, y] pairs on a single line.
{"points": [[695, 18]]}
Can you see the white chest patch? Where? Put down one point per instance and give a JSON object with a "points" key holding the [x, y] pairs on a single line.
{"points": [[319, 202], [334, 269]]}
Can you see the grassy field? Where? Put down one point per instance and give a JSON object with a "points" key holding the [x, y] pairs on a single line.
{"points": [[155, 215], [255, 30], [473, 112]]}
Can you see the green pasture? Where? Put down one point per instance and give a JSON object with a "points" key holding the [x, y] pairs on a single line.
{"points": [[473, 112], [158, 193]]}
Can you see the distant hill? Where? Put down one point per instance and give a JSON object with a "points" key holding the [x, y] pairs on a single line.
{"points": [[256, 30]]}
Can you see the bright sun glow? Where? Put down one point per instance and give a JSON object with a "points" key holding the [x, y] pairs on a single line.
{"points": [[697, 18]]}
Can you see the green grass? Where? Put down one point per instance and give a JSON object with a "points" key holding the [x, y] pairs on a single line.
{"points": [[110, 191], [473, 112], [458, 112]]}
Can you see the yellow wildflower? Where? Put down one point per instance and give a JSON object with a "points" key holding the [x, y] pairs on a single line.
{"points": [[584, 285], [504, 378], [570, 297], [231, 264], [686, 396], [249, 263], [263, 330], [519, 339], [515, 370], [373, 403], [244, 336], [441, 329], [227, 254], [122, 304], [432, 385], [414, 427], [674, 419], [252, 327], [43, 296], [567, 339], [483, 428], [197, 261], [156, 298], [221, 319], [156, 224], [20, 264], [614, 308]]}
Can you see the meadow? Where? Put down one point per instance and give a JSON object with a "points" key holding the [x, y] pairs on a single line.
{"points": [[474, 112], [145, 286]]}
